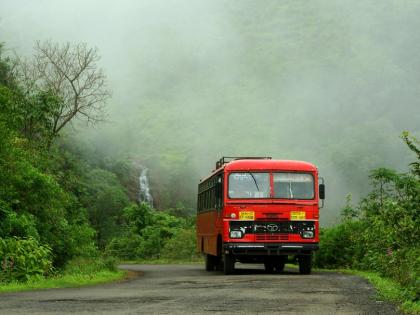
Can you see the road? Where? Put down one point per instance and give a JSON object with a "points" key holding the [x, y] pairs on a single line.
{"points": [[188, 289]]}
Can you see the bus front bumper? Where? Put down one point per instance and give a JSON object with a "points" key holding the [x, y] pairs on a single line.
{"points": [[269, 248]]}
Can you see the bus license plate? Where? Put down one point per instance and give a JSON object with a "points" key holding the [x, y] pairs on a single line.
{"points": [[297, 215], [246, 215]]}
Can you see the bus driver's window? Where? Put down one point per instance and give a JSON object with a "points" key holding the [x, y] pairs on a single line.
{"points": [[249, 185]]}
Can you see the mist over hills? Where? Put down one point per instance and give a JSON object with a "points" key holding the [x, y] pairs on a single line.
{"points": [[333, 83]]}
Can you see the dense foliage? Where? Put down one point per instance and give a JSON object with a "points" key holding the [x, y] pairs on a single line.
{"points": [[22, 259], [382, 233], [60, 204], [152, 234], [37, 210]]}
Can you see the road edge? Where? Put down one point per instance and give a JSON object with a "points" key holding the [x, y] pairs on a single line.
{"points": [[68, 281], [386, 289]]}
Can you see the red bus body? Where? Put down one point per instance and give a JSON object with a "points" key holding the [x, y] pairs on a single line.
{"points": [[272, 228]]}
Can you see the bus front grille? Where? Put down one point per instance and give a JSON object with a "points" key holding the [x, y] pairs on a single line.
{"points": [[271, 237]]}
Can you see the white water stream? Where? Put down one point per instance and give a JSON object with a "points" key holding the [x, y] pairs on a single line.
{"points": [[144, 193]]}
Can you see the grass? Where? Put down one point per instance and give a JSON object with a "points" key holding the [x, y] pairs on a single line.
{"points": [[64, 281], [83, 272], [390, 290], [387, 289], [163, 261]]}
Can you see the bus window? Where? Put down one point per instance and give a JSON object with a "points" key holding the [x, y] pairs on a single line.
{"points": [[218, 191], [249, 185], [293, 186]]}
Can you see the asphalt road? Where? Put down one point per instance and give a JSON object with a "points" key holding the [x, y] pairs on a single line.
{"points": [[188, 289]]}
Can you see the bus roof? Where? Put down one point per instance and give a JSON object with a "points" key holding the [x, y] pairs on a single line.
{"points": [[280, 165], [265, 164]]}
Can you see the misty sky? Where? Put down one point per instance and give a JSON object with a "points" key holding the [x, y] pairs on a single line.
{"points": [[330, 82]]}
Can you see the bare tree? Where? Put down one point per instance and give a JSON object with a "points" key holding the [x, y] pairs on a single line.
{"points": [[71, 74]]}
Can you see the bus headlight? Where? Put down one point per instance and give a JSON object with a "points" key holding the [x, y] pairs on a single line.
{"points": [[236, 234], [308, 234]]}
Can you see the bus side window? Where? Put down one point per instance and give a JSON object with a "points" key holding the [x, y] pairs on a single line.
{"points": [[212, 196], [205, 200], [198, 199], [219, 192]]}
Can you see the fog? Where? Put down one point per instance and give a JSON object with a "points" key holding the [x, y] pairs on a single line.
{"points": [[329, 82]]}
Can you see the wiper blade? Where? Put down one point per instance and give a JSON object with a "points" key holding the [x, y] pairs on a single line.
{"points": [[255, 181]]}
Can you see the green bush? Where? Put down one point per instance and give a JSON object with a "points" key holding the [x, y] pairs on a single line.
{"points": [[150, 233], [358, 245], [90, 265], [182, 246], [383, 233], [151, 243], [22, 259], [125, 247], [105, 198], [19, 225], [48, 194], [33, 204], [340, 245]]}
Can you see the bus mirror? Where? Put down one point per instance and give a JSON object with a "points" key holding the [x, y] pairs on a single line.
{"points": [[321, 191], [219, 189]]}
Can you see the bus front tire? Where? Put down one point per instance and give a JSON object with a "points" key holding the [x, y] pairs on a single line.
{"points": [[305, 264], [228, 264]]}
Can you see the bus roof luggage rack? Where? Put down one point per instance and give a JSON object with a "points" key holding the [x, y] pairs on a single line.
{"points": [[227, 159]]}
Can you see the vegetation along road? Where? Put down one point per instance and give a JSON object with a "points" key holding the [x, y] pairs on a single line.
{"points": [[188, 289]]}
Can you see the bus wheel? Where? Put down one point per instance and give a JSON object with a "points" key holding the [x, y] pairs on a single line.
{"points": [[305, 264], [210, 262], [228, 264]]}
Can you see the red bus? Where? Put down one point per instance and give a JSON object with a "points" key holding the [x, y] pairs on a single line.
{"points": [[259, 210]]}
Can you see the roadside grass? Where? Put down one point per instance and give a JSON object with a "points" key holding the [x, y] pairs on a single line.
{"points": [[64, 281], [387, 289], [390, 290], [163, 261]]}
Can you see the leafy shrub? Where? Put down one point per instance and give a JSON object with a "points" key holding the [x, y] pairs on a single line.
{"points": [[339, 245], [22, 259], [125, 247], [104, 199], [182, 246], [19, 225], [34, 205], [383, 235], [148, 232], [90, 265], [47, 194], [151, 243]]}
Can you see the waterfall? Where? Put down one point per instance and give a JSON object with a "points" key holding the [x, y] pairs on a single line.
{"points": [[144, 194]]}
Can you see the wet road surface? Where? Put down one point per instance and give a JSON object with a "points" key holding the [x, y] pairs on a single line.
{"points": [[188, 289]]}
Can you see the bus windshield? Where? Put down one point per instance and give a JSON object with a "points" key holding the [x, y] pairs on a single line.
{"points": [[293, 186], [249, 185], [256, 185]]}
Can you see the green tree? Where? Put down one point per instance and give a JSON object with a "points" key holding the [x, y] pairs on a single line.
{"points": [[104, 198], [412, 143], [386, 235]]}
